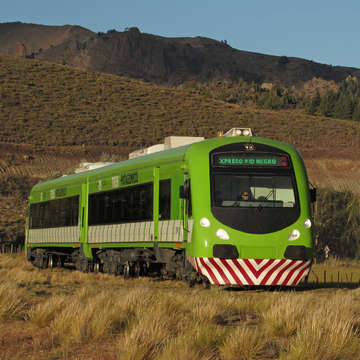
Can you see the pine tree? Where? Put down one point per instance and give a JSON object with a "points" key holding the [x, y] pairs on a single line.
{"points": [[310, 107], [343, 108], [327, 104]]}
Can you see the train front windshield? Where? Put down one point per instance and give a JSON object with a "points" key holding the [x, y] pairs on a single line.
{"points": [[233, 190], [253, 192]]}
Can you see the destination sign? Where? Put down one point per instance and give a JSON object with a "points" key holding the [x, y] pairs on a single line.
{"points": [[253, 160]]}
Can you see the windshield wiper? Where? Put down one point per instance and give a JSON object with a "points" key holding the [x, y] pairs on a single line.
{"points": [[272, 192]]}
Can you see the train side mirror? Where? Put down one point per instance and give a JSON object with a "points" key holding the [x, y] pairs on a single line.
{"points": [[313, 195]]}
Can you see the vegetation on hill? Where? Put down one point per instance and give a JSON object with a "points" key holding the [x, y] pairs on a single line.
{"points": [[341, 104], [266, 96], [49, 104], [317, 97], [337, 224]]}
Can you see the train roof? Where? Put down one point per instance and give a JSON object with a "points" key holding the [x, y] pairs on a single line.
{"points": [[160, 157]]}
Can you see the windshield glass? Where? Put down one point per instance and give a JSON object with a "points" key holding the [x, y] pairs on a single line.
{"points": [[244, 191]]}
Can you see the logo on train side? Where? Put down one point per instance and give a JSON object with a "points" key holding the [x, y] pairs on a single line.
{"points": [[60, 192], [127, 179]]}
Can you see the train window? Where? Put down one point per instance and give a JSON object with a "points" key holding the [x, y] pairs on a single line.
{"points": [[164, 199], [125, 205], [233, 190], [54, 213]]}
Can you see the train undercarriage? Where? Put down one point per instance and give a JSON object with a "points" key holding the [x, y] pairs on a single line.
{"points": [[126, 262]]}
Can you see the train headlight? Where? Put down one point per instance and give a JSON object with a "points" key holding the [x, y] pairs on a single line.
{"points": [[307, 223], [294, 235], [222, 234], [205, 222]]}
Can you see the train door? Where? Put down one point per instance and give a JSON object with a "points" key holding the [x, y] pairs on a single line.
{"points": [[186, 207], [156, 184], [84, 204]]}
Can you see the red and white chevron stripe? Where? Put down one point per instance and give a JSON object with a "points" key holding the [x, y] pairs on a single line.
{"points": [[261, 272]]}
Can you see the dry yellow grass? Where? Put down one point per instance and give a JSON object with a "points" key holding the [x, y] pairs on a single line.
{"points": [[328, 332], [282, 319], [64, 314], [11, 301], [244, 343]]}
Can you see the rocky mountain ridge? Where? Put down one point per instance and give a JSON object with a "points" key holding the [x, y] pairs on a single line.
{"points": [[158, 59]]}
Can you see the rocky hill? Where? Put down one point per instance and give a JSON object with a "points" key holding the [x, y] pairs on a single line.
{"points": [[157, 59]]}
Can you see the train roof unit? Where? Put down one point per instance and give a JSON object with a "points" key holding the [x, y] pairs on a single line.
{"points": [[239, 132], [170, 142]]}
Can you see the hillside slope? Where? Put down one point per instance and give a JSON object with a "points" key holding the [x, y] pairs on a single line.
{"points": [[158, 59], [44, 103]]}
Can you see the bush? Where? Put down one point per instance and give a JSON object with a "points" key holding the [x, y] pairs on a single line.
{"points": [[337, 224]]}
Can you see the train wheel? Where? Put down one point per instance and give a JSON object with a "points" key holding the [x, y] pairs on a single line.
{"points": [[137, 269], [128, 270], [96, 267], [144, 269], [191, 280], [51, 261], [88, 266], [41, 259], [60, 261], [205, 283]]}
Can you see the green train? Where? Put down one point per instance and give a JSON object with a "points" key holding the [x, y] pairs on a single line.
{"points": [[233, 210]]}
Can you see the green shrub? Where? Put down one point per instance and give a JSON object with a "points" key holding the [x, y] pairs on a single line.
{"points": [[337, 223]]}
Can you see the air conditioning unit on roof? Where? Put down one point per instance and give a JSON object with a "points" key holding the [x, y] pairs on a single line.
{"points": [[86, 166], [146, 151], [170, 142], [176, 141]]}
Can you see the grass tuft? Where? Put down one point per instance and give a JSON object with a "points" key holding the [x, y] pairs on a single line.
{"points": [[12, 301]]}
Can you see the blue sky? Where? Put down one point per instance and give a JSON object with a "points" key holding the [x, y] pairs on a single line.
{"points": [[325, 31]]}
